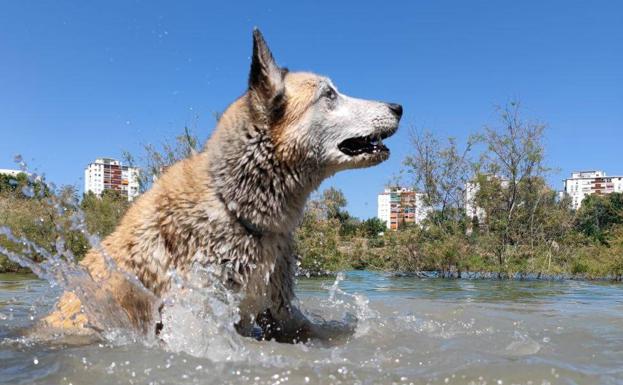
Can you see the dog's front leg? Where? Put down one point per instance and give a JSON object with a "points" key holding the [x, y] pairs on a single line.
{"points": [[290, 326]]}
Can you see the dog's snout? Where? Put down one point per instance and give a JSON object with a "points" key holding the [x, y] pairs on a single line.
{"points": [[396, 109]]}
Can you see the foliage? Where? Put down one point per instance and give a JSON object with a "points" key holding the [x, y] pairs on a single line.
{"points": [[317, 242], [21, 186], [103, 213], [372, 227], [37, 219], [332, 203], [599, 214], [514, 164], [439, 171]]}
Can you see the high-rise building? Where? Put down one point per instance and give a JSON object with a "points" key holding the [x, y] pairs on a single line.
{"points": [[401, 206], [10, 172], [110, 174], [584, 183]]}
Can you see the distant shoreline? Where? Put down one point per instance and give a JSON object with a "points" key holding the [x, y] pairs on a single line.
{"points": [[496, 276], [450, 275], [475, 276]]}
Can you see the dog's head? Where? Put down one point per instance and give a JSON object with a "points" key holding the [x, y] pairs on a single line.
{"points": [[311, 121]]}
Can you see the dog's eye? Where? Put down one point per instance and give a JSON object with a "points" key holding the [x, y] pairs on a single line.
{"points": [[330, 94]]}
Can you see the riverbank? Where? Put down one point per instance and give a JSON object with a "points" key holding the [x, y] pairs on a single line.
{"points": [[470, 275], [433, 274], [473, 276]]}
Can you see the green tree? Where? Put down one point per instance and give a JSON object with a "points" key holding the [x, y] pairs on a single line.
{"points": [[46, 221], [22, 186], [440, 171], [599, 214], [333, 203], [104, 213], [508, 169], [317, 241], [372, 227]]}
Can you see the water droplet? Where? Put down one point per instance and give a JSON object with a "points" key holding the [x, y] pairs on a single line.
{"points": [[28, 191]]}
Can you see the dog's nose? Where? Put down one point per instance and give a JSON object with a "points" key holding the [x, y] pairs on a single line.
{"points": [[396, 109]]}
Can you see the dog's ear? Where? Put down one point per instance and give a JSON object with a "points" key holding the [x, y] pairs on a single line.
{"points": [[266, 82]]}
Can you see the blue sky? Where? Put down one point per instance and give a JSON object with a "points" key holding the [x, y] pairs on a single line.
{"points": [[80, 80]]}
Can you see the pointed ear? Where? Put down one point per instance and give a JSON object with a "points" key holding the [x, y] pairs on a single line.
{"points": [[266, 81]]}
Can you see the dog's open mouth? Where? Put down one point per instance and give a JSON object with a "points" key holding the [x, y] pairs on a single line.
{"points": [[371, 144]]}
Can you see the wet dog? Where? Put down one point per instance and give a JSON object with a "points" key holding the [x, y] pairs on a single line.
{"points": [[235, 205]]}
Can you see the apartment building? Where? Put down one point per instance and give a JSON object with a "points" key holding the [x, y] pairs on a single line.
{"points": [[110, 174], [471, 208], [400, 206], [11, 172], [584, 183]]}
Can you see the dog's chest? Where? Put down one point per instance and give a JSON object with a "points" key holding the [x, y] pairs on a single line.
{"points": [[246, 262]]}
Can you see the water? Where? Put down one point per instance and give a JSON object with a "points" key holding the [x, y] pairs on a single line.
{"points": [[410, 330]]}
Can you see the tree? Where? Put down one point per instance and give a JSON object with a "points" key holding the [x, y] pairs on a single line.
{"points": [[439, 171], [372, 227], [509, 171], [103, 213], [23, 186], [333, 203], [317, 239], [599, 214], [46, 221]]}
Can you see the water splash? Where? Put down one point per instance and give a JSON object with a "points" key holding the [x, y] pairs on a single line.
{"points": [[60, 267], [198, 305], [348, 303]]}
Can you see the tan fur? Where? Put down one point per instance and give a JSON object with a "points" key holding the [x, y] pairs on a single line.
{"points": [[301, 89], [68, 314]]}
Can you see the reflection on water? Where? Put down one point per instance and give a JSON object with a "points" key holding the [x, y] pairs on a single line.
{"points": [[410, 331]]}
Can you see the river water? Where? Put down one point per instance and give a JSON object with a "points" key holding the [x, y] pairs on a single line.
{"points": [[409, 331]]}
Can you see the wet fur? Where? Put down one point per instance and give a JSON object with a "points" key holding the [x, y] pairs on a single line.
{"points": [[235, 205]]}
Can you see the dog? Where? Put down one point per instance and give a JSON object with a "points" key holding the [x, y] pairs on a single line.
{"points": [[235, 205]]}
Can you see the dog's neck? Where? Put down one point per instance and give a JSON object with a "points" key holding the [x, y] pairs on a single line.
{"points": [[249, 226], [263, 192]]}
